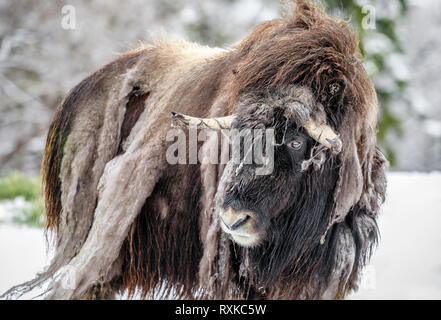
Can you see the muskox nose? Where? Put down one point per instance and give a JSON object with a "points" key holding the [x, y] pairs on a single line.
{"points": [[233, 220]]}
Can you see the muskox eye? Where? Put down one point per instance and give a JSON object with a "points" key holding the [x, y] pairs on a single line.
{"points": [[295, 144]]}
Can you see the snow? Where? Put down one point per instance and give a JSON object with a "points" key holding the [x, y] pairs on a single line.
{"points": [[23, 254], [8, 209], [406, 265]]}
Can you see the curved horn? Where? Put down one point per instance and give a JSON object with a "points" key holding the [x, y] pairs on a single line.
{"points": [[323, 134], [205, 123]]}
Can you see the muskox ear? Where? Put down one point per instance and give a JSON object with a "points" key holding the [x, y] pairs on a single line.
{"points": [[335, 91]]}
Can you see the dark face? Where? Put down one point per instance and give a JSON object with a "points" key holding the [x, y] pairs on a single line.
{"points": [[253, 201], [263, 208]]}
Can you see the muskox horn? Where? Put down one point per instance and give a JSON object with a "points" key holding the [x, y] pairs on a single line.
{"points": [[205, 123], [323, 134]]}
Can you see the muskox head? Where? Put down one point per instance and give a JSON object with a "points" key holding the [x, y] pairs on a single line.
{"points": [[261, 207], [264, 205]]}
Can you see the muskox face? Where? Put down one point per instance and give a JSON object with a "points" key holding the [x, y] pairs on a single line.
{"points": [[294, 194], [259, 208], [253, 202]]}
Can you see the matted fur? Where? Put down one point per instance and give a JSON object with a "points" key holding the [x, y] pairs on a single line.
{"points": [[115, 204]]}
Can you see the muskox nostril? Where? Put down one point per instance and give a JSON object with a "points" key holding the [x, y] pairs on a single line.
{"points": [[232, 220], [241, 221]]}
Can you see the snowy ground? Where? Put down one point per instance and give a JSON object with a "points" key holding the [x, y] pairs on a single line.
{"points": [[407, 264]]}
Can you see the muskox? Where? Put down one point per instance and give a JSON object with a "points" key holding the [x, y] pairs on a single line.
{"points": [[123, 218]]}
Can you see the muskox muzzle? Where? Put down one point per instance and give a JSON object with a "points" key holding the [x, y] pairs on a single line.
{"points": [[240, 225]]}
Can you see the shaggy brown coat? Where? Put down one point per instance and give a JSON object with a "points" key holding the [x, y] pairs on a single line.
{"points": [[105, 154]]}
